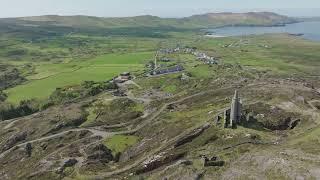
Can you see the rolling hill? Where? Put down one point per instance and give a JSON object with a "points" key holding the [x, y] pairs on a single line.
{"points": [[193, 22]]}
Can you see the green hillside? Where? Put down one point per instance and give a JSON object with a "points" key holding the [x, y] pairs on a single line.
{"points": [[193, 22]]}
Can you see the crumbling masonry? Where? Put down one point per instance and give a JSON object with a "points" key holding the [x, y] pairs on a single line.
{"points": [[232, 116]]}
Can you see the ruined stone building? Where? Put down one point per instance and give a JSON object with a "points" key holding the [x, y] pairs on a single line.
{"points": [[232, 116], [235, 112], [123, 77]]}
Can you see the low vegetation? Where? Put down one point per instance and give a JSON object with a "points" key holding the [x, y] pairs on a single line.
{"points": [[120, 143], [25, 107], [113, 112], [67, 120]]}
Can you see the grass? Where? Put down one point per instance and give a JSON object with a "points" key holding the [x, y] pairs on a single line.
{"points": [[170, 89], [308, 142], [41, 89], [275, 60], [90, 118], [119, 143], [285, 55], [201, 71], [44, 70], [112, 112], [102, 68], [138, 108]]}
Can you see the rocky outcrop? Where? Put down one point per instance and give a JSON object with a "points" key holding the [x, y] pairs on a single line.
{"points": [[294, 123], [195, 133], [158, 161], [99, 153], [284, 124], [28, 149], [67, 163], [67, 123], [213, 161], [13, 140], [264, 116], [70, 163]]}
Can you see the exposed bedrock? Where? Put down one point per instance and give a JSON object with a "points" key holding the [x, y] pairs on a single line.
{"points": [[158, 161], [195, 133], [13, 140], [262, 115], [99, 153]]}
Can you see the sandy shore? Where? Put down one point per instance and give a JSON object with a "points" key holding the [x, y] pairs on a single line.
{"points": [[214, 36]]}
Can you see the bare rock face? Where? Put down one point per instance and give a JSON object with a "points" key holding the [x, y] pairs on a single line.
{"points": [[158, 161], [13, 140], [70, 163], [270, 117], [28, 149], [68, 122], [195, 133], [213, 161], [67, 163], [99, 153]]}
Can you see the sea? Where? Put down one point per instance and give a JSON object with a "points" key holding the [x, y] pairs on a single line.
{"points": [[308, 30]]}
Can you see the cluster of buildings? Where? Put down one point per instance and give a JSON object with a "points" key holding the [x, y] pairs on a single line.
{"points": [[199, 55], [167, 70], [205, 58], [158, 70], [165, 59], [123, 77], [169, 50]]}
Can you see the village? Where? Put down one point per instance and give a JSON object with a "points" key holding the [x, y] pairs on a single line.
{"points": [[162, 64], [201, 56]]}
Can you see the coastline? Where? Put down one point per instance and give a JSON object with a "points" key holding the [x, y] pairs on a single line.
{"points": [[214, 36], [292, 30], [257, 25]]}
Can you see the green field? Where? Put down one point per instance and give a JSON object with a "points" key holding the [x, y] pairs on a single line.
{"points": [[269, 52], [120, 143], [53, 76], [266, 53]]}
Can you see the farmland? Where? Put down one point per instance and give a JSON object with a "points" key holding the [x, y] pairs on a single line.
{"points": [[48, 77], [255, 52]]}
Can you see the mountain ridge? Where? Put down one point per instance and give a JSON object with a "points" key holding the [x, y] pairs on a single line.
{"points": [[207, 20]]}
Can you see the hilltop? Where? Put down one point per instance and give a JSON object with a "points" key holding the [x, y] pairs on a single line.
{"points": [[51, 26], [193, 22], [241, 19]]}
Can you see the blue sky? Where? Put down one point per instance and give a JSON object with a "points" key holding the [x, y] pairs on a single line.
{"points": [[163, 8]]}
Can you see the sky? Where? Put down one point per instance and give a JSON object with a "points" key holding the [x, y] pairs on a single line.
{"points": [[162, 8]]}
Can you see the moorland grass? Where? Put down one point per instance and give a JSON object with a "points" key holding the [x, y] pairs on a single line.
{"points": [[119, 143]]}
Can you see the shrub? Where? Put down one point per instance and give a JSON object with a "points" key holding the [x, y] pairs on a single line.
{"points": [[72, 93], [26, 107], [3, 96]]}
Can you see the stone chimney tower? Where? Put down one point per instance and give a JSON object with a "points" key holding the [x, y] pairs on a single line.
{"points": [[235, 114]]}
